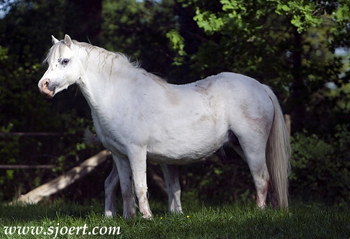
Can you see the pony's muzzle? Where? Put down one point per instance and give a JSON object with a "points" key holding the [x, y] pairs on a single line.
{"points": [[44, 88]]}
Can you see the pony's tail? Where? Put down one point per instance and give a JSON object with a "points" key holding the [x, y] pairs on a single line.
{"points": [[278, 155]]}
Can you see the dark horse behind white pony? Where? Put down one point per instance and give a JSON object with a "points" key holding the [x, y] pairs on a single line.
{"points": [[139, 116]]}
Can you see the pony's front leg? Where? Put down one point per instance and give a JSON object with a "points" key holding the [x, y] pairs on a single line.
{"points": [[110, 191], [137, 159], [126, 186], [171, 177]]}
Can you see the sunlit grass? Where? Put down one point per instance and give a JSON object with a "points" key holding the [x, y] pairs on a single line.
{"points": [[198, 221]]}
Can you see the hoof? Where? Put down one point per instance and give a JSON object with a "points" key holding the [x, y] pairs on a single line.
{"points": [[109, 214]]}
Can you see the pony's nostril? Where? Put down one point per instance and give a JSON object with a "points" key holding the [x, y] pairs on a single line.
{"points": [[46, 83]]}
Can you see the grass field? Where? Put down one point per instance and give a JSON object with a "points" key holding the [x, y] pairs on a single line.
{"points": [[198, 221]]}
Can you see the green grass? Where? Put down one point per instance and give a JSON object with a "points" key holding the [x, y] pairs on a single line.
{"points": [[198, 221]]}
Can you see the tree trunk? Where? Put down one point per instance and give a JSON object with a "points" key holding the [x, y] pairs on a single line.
{"points": [[298, 88]]}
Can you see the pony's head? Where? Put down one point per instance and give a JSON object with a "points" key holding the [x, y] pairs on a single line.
{"points": [[64, 68]]}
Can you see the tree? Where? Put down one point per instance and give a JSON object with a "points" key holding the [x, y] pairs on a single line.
{"points": [[138, 29]]}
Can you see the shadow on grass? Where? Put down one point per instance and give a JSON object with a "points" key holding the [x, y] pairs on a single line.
{"points": [[60, 209], [37, 212]]}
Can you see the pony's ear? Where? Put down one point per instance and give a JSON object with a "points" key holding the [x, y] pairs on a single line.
{"points": [[67, 40], [54, 40]]}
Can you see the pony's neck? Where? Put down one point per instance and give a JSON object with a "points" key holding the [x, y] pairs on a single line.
{"points": [[108, 76], [103, 71]]}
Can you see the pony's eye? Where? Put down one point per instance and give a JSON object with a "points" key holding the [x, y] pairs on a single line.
{"points": [[65, 61]]}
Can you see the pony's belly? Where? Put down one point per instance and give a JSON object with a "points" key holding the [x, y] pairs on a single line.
{"points": [[157, 158], [187, 147], [183, 154]]}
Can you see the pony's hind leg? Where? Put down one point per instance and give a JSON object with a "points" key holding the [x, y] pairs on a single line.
{"points": [[171, 176], [252, 150], [110, 191], [261, 180]]}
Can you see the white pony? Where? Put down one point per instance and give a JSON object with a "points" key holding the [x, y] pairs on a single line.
{"points": [[139, 116]]}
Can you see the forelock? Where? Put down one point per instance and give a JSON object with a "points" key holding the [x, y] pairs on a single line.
{"points": [[53, 51]]}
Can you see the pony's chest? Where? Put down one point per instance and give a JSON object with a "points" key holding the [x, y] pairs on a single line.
{"points": [[109, 134]]}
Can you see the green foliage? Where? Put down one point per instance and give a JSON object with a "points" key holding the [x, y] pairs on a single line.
{"points": [[321, 167], [129, 27], [208, 21], [301, 13], [177, 42]]}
